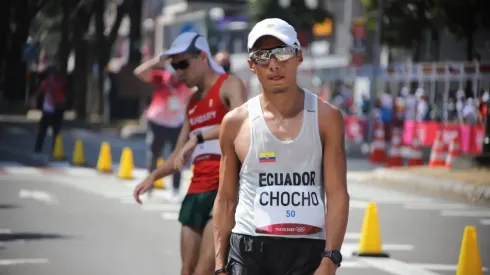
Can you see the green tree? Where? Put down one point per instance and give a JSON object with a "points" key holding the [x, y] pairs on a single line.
{"points": [[297, 14], [404, 22], [464, 18]]}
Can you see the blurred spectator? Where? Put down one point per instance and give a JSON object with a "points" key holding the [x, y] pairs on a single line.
{"points": [[223, 59], [51, 96], [166, 112]]}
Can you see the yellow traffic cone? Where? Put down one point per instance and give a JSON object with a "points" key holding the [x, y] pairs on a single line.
{"points": [[78, 156], [58, 152], [126, 164], [104, 163], [370, 243], [159, 184], [469, 256]]}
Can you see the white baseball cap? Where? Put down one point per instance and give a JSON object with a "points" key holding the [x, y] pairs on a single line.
{"points": [[189, 41], [275, 27]]}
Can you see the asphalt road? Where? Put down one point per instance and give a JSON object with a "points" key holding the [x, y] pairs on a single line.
{"points": [[65, 220], [74, 221]]}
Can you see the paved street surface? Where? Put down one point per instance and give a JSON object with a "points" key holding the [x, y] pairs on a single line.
{"points": [[56, 219], [65, 220]]}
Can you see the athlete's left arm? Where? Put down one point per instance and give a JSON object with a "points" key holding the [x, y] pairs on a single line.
{"points": [[232, 93], [335, 175]]}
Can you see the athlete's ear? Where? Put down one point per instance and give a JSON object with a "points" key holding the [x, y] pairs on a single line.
{"points": [[251, 65], [300, 57]]}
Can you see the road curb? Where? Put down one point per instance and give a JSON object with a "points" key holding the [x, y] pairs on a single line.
{"points": [[426, 184]]}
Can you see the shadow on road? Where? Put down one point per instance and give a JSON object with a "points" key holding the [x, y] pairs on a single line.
{"points": [[29, 236], [9, 206]]}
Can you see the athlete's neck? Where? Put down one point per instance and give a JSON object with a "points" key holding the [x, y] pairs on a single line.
{"points": [[210, 77], [286, 104]]}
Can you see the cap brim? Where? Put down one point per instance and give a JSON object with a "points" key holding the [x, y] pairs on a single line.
{"points": [[272, 33], [172, 51], [217, 68]]}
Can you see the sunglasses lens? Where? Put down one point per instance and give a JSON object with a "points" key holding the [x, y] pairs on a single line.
{"points": [[182, 65], [263, 57]]}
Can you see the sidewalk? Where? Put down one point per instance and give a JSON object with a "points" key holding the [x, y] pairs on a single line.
{"points": [[471, 185]]}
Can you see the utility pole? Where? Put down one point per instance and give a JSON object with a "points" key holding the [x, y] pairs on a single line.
{"points": [[375, 70]]}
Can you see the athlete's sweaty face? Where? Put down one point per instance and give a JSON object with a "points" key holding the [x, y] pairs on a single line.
{"points": [[188, 67], [275, 76]]}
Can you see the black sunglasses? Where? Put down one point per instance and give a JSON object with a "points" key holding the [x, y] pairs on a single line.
{"points": [[181, 65]]}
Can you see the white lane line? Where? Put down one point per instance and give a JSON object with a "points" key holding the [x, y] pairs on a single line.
{"points": [[353, 264], [5, 231], [352, 236], [440, 267], [455, 213], [485, 221], [396, 267], [161, 207], [172, 216], [39, 195], [434, 206], [23, 261], [357, 204]]}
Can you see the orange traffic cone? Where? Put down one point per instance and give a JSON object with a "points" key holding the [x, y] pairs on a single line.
{"points": [[454, 152], [415, 153], [437, 154], [395, 155], [378, 147]]}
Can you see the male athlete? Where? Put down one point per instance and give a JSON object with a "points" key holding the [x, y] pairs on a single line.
{"points": [[277, 161], [217, 93]]}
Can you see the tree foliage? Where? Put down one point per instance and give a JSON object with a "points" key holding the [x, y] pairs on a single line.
{"points": [[297, 14], [464, 18], [403, 21]]}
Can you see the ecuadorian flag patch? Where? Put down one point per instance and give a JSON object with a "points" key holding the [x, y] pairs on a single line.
{"points": [[267, 157]]}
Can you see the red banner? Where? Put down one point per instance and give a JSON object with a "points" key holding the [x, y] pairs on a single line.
{"points": [[470, 136]]}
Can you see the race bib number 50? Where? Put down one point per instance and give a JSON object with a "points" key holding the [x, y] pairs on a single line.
{"points": [[289, 210]]}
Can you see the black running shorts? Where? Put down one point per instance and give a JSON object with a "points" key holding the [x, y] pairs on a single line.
{"points": [[273, 255]]}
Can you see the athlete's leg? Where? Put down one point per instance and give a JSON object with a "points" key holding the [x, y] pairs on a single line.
{"points": [[205, 263], [190, 240]]}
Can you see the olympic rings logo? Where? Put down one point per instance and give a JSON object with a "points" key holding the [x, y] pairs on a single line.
{"points": [[300, 229]]}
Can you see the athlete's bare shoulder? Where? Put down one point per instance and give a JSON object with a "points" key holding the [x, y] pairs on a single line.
{"points": [[233, 91], [330, 118]]}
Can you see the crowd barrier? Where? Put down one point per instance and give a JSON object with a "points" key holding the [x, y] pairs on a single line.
{"points": [[470, 136]]}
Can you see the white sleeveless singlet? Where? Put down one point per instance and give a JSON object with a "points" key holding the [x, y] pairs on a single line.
{"points": [[281, 191]]}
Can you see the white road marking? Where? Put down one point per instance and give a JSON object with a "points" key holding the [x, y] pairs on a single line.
{"points": [[352, 236], [23, 261], [396, 267], [39, 195], [485, 221], [455, 213], [357, 204], [440, 267], [22, 171], [353, 264], [434, 206], [5, 231], [173, 216]]}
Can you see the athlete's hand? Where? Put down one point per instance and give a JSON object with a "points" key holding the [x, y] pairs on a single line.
{"points": [[185, 153], [142, 188], [327, 267]]}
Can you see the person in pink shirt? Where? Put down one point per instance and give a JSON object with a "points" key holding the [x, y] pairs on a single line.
{"points": [[166, 112]]}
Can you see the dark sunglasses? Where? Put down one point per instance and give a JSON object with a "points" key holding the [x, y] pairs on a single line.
{"points": [[263, 56], [181, 65]]}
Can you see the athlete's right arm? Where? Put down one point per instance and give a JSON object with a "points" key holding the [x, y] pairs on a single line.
{"points": [[227, 197], [144, 71]]}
